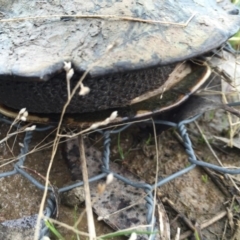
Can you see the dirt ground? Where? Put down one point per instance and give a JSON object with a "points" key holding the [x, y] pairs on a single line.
{"points": [[190, 201]]}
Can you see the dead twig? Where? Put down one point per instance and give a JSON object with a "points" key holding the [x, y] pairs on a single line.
{"points": [[205, 224], [197, 231], [88, 203], [156, 176], [214, 154], [108, 17]]}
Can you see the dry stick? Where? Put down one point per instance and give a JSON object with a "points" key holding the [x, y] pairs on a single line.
{"points": [[44, 146], [177, 237], [229, 219], [82, 214], [102, 128], [214, 154], [232, 131], [156, 175], [39, 147], [183, 217], [113, 17], [91, 225], [205, 224], [21, 130], [208, 144]]}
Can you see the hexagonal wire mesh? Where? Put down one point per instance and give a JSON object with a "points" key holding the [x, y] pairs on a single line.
{"points": [[51, 203]]}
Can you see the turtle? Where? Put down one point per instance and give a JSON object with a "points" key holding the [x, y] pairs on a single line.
{"points": [[136, 57]]}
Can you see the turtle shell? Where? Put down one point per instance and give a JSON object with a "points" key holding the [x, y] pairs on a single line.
{"points": [[128, 48]]}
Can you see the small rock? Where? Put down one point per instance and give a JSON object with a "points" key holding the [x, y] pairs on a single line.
{"points": [[74, 197]]}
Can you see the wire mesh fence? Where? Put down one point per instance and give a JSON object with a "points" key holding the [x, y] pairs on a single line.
{"points": [[50, 210]]}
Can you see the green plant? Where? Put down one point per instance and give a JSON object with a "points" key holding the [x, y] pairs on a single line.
{"points": [[211, 115], [196, 235], [124, 233], [188, 164], [75, 220], [236, 208], [201, 140], [205, 178], [148, 141], [120, 150], [207, 159], [52, 228], [236, 2], [235, 39]]}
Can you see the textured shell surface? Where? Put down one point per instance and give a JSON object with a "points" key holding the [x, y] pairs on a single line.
{"points": [[36, 48]]}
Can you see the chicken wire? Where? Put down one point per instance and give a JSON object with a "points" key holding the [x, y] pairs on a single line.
{"points": [[51, 206]]}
